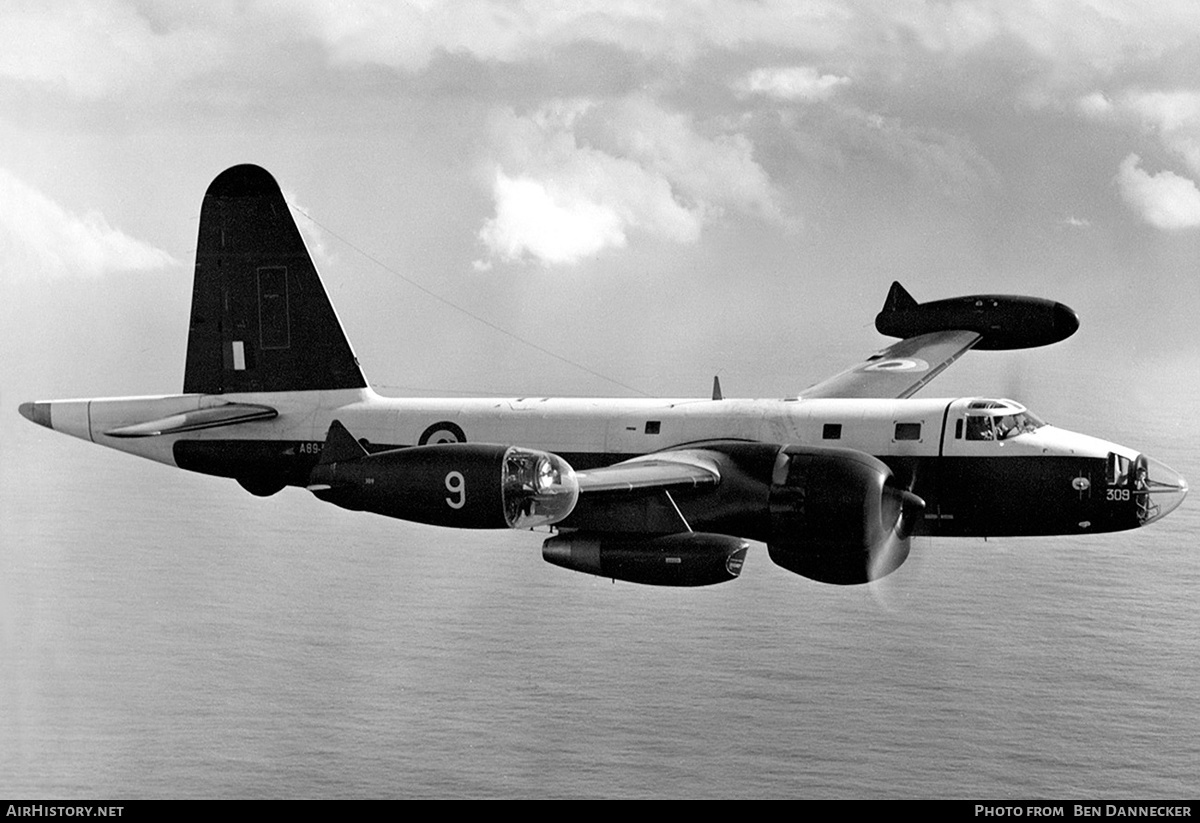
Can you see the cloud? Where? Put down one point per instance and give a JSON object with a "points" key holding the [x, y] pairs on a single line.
{"points": [[99, 48], [1094, 106], [1164, 200], [576, 177], [1174, 116], [791, 83], [559, 226], [38, 237], [104, 47]]}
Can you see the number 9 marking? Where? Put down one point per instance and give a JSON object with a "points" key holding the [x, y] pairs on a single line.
{"points": [[456, 484]]}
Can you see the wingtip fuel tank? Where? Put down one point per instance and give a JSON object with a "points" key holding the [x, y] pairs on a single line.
{"points": [[1004, 321]]}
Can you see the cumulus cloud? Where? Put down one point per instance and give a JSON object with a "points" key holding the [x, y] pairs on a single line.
{"points": [[409, 34], [576, 177], [1174, 116], [1165, 200], [561, 224], [95, 48], [1095, 106], [38, 237], [791, 83]]}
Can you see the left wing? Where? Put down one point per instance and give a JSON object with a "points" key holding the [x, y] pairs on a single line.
{"points": [[901, 369], [686, 468]]}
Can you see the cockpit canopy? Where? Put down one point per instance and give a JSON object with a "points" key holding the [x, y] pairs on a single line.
{"points": [[999, 419]]}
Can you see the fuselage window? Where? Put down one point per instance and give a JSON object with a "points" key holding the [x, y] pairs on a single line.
{"points": [[908, 431], [958, 429], [831, 431], [653, 426]]}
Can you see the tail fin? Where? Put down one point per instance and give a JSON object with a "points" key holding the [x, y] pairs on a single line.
{"points": [[261, 321], [898, 298]]}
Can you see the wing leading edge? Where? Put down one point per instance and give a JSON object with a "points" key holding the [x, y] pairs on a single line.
{"points": [[686, 468]]}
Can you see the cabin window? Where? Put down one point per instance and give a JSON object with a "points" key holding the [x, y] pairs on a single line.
{"points": [[831, 431], [908, 431], [653, 426], [958, 429], [980, 428]]}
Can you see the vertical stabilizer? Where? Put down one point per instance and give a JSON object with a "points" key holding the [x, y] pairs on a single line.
{"points": [[898, 299], [261, 321]]}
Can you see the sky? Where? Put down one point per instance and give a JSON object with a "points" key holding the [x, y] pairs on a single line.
{"points": [[656, 192]]}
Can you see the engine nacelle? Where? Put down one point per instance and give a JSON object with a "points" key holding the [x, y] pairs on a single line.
{"points": [[461, 485], [836, 515], [684, 559]]}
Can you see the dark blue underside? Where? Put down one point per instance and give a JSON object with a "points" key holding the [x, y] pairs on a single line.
{"points": [[964, 496]]}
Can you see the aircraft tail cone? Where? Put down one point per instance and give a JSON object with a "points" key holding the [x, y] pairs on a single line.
{"points": [[37, 412]]}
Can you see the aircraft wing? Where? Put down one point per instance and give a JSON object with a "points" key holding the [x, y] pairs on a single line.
{"points": [[901, 369], [687, 468]]}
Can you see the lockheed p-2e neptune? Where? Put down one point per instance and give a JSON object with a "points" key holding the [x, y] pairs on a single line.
{"points": [[836, 481]]}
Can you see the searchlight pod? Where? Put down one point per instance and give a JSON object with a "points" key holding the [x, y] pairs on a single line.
{"points": [[1004, 321]]}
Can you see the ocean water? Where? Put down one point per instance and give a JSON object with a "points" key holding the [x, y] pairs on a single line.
{"points": [[167, 635]]}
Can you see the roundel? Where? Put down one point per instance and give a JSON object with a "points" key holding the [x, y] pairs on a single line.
{"points": [[898, 364], [442, 432]]}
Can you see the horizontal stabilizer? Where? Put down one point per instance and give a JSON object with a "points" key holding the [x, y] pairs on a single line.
{"points": [[227, 415]]}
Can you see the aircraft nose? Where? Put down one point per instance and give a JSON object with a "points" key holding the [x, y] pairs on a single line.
{"points": [[1066, 321], [1160, 489]]}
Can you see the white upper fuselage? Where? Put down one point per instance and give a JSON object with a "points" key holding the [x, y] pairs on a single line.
{"points": [[596, 427]]}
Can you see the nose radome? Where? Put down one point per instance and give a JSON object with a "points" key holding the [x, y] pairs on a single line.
{"points": [[1160, 490]]}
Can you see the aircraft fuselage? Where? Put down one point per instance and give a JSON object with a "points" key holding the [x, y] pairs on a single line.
{"points": [[1040, 481]]}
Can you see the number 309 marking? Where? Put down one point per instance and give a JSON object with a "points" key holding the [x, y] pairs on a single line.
{"points": [[1118, 494], [456, 484]]}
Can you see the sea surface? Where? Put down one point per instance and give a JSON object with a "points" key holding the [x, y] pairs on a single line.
{"points": [[165, 634]]}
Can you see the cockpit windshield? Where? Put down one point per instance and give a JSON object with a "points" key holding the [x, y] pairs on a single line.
{"points": [[999, 420]]}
